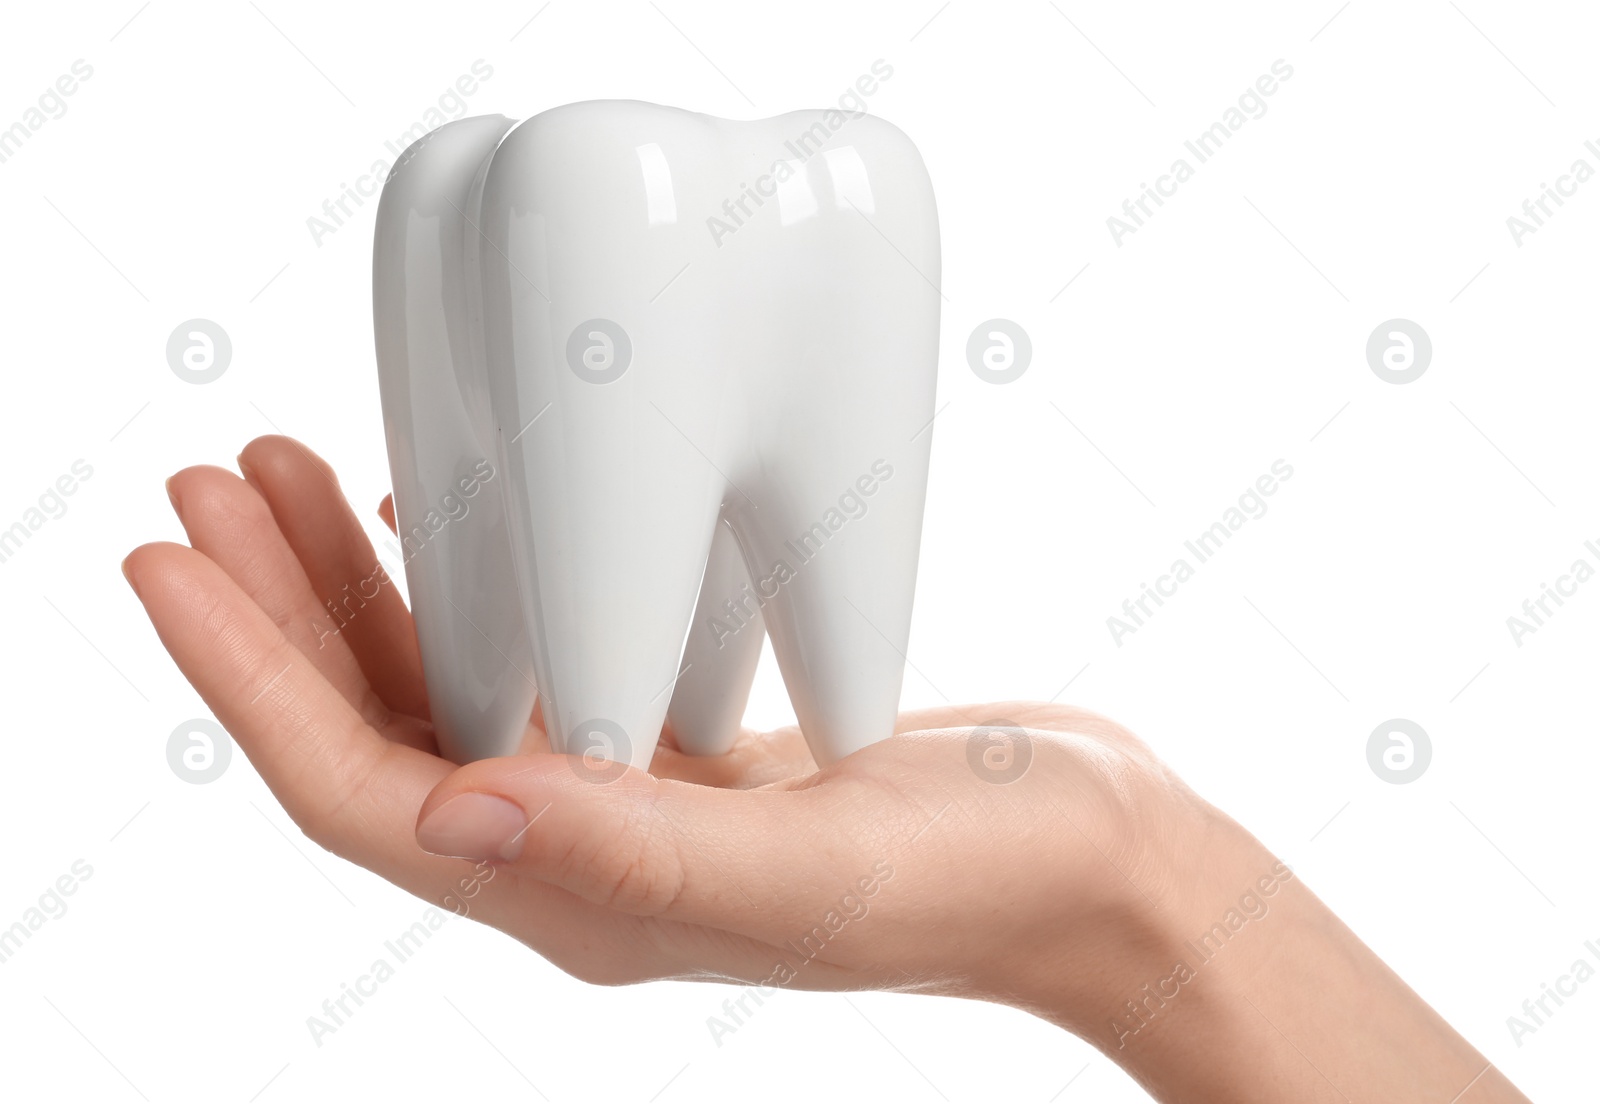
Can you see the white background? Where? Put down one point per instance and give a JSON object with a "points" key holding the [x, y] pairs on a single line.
{"points": [[1225, 334]]}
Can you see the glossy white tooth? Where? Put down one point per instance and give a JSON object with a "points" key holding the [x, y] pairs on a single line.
{"points": [[449, 486], [693, 326], [721, 654]]}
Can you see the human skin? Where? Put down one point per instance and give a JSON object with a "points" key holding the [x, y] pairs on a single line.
{"points": [[1073, 892]]}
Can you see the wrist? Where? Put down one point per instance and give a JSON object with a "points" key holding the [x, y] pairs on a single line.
{"points": [[1117, 950], [1229, 980], [1168, 995]]}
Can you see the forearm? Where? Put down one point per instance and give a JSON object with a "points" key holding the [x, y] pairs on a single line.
{"points": [[1243, 986]]}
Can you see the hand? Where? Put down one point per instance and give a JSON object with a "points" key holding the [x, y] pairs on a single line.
{"points": [[1068, 891], [704, 867]]}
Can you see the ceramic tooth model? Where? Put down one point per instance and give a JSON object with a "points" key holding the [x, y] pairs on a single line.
{"points": [[655, 384]]}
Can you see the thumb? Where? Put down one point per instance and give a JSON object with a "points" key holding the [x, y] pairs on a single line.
{"points": [[747, 861]]}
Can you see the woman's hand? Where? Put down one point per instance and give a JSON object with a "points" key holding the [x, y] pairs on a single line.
{"points": [[1072, 879]]}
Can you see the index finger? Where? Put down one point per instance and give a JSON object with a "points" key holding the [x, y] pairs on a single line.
{"points": [[349, 788]]}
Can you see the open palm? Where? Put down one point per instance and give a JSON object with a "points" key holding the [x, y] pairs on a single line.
{"points": [[752, 866]]}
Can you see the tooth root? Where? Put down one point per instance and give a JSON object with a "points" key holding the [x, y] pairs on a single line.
{"points": [[720, 655], [616, 515], [838, 603], [453, 541]]}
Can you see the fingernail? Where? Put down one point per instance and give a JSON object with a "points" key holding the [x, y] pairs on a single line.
{"points": [[128, 575], [172, 496], [248, 472], [474, 826]]}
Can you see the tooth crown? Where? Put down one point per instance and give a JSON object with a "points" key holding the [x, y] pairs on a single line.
{"points": [[699, 357]]}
